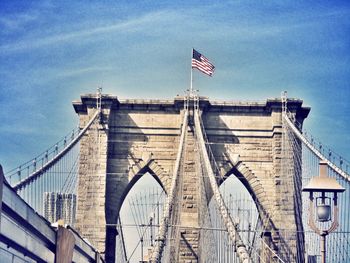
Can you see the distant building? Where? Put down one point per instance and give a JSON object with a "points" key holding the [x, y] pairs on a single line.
{"points": [[60, 206]]}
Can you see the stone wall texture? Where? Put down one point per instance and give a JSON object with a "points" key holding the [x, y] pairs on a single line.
{"points": [[133, 137]]}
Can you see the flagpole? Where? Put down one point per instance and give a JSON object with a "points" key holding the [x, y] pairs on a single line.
{"points": [[191, 87]]}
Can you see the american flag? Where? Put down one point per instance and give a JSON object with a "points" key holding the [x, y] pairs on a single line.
{"points": [[201, 63]]}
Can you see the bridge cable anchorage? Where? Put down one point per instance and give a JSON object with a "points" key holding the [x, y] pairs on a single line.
{"points": [[53, 161], [169, 203], [230, 225]]}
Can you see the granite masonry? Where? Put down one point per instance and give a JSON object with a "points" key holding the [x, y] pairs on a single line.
{"points": [[134, 137]]}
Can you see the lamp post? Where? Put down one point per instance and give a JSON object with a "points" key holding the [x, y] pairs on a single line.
{"points": [[320, 188]]}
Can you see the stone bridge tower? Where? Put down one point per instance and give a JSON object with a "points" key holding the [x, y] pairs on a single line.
{"points": [[134, 137]]}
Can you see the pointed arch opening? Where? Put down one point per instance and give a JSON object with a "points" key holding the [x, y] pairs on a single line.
{"points": [[243, 209], [140, 214]]}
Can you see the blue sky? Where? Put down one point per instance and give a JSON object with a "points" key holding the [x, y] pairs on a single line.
{"points": [[53, 51]]}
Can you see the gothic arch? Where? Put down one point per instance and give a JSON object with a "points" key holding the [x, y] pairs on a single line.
{"points": [[159, 174], [264, 206], [253, 185]]}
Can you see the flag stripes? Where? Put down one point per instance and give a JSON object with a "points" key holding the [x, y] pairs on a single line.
{"points": [[201, 63]]}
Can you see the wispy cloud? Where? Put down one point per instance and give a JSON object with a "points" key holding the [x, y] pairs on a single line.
{"points": [[82, 71], [15, 129], [16, 21], [267, 27], [144, 23], [130, 25]]}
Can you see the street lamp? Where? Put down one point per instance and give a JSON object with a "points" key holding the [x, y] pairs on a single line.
{"points": [[320, 188]]}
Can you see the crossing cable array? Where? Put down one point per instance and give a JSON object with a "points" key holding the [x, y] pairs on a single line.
{"points": [[143, 207], [307, 153], [53, 161], [60, 178], [229, 223], [291, 168], [338, 242], [320, 155], [169, 203], [121, 249], [70, 183], [253, 252], [27, 168], [56, 175], [211, 241]]}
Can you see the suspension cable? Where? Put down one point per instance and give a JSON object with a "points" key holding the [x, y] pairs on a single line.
{"points": [[314, 150], [230, 225], [50, 163], [157, 252]]}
